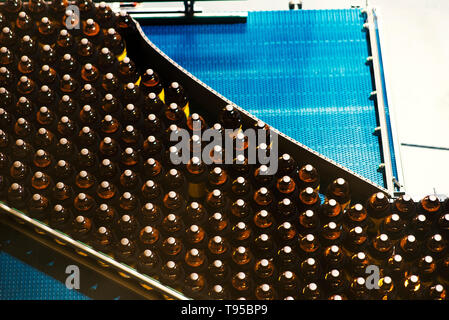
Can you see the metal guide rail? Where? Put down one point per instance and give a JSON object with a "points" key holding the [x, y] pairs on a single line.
{"points": [[27, 253], [43, 229], [391, 165]]}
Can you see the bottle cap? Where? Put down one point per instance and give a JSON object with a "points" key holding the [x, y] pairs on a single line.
{"points": [[358, 230], [36, 197], [194, 205], [395, 217], [265, 287], [264, 263], [241, 275], [335, 273], [264, 237], [104, 184], [84, 152], [172, 194], [312, 286], [310, 237], [194, 276], [38, 174], [335, 249]]}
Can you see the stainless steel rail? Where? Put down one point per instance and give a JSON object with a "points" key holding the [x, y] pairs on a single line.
{"points": [[392, 184], [92, 252]]}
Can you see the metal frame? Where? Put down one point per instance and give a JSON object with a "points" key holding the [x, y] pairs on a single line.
{"points": [[120, 283], [77, 245], [393, 184]]}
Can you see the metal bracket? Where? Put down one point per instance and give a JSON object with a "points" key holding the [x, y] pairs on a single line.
{"points": [[188, 7], [178, 11], [393, 186]]}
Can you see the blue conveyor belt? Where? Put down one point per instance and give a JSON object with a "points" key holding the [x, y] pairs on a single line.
{"points": [[301, 71], [20, 281]]}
